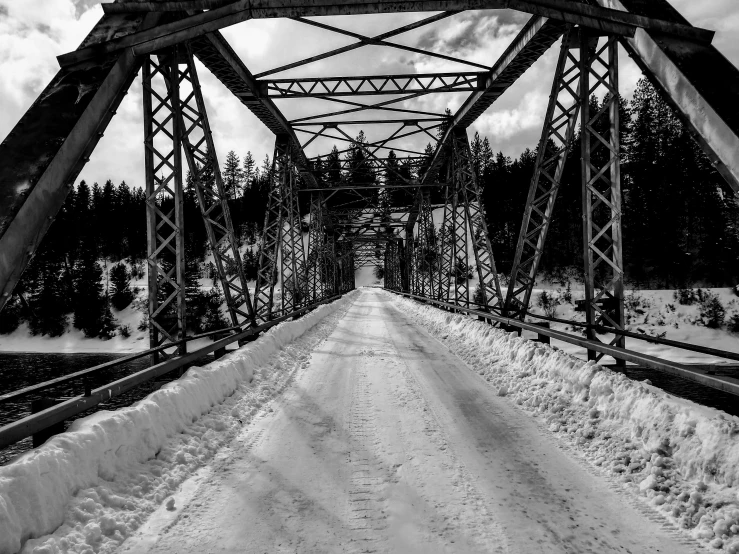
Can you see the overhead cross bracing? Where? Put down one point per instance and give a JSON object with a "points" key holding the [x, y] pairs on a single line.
{"points": [[398, 191]]}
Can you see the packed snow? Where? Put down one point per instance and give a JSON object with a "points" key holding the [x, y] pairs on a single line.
{"points": [[382, 389], [680, 457], [87, 489], [386, 442]]}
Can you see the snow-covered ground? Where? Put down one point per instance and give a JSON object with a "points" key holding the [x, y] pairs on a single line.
{"points": [[655, 313], [402, 428], [88, 489], [680, 460]]}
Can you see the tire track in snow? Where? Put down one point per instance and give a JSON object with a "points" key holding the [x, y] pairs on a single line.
{"points": [[364, 503], [467, 514]]}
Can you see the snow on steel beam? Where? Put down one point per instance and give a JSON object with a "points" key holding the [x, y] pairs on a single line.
{"points": [[536, 37], [46, 150], [696, 78], [219, 58], [597, 17]]}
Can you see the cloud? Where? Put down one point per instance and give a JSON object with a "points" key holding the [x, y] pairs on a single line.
{"points": [[501, 125], [33, 32]]}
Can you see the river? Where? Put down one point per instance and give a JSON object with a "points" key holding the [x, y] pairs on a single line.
{"points": [[19, 370]]}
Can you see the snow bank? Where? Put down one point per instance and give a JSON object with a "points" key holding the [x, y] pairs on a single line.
{"points": [[97, 482], [681, 457]]}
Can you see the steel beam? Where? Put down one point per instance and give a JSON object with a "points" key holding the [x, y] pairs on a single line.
{"points": [[49, 146], [536, 37], [601, 189], [465, 182], [164, 202], [370, 187], [695, 78], [593, 16], [555, 144], [219, 58], [200, 153], [446, 241]]}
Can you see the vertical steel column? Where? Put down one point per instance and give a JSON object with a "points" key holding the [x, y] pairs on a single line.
{"points": [[346, 266], [200, 153], [466, 184], [446, 254], [164, 203], [426, 247], [317, 250], [410, 262], [294, 276], [601, 189], [555, 144], [273, 220], [330, 268], [388, 266], [460, 263]]}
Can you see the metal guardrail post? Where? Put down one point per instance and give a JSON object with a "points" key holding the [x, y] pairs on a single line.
{"points": [[39, 405]]}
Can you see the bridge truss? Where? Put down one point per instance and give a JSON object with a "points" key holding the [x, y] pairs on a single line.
{"points": [[421, 221]]}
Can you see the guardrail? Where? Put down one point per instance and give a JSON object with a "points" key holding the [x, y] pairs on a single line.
{"points": [[34, 423], [624, 354]]}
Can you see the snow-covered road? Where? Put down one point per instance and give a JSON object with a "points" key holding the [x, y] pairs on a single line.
{"points": [[388, 442]]}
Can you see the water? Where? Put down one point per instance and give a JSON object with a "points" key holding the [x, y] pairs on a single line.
{"points": [[684, 388], [19, 370]]}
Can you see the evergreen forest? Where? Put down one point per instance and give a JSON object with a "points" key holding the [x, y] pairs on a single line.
{"points": [[680, 225]]}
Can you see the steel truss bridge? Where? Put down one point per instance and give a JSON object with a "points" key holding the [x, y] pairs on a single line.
{"points": [[353, 224]]}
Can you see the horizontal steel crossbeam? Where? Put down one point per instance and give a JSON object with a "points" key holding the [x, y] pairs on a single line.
{"points": [[371, 85]]}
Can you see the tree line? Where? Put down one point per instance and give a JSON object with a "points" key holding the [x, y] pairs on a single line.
{"points": [[680, 219], [680, 223]]}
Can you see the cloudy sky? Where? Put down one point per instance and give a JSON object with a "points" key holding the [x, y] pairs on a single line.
{"points": [[34, 32]]}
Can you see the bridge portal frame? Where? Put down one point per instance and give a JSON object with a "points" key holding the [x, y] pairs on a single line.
{"points": [[677, 57]]}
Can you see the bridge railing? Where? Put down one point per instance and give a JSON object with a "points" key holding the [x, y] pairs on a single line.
{"points": [[58, 413], [643, 360]]}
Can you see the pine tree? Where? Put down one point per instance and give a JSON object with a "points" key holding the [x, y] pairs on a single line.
{"points": [[249, 263], [90, 300], [120, 282], [12, 314], [476, 153], [49, 315], [107, 225], [107, 321], [249, 167], [213, 318], [233, 176]]}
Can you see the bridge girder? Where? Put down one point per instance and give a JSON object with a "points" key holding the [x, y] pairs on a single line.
{"points": [[676, 56]]}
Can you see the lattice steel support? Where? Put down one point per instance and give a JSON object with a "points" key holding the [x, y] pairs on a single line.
{"points": [[392, 265], [164, 203], [272, 233], [554, 146], [294, 277], [426, 248], [282, 240], [345, 262], [319, 256], [446, 259], [488, 296], [601, 189], [202, 161]]}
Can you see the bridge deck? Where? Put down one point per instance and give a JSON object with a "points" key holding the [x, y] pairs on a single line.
{"points": [[387, 442]]}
